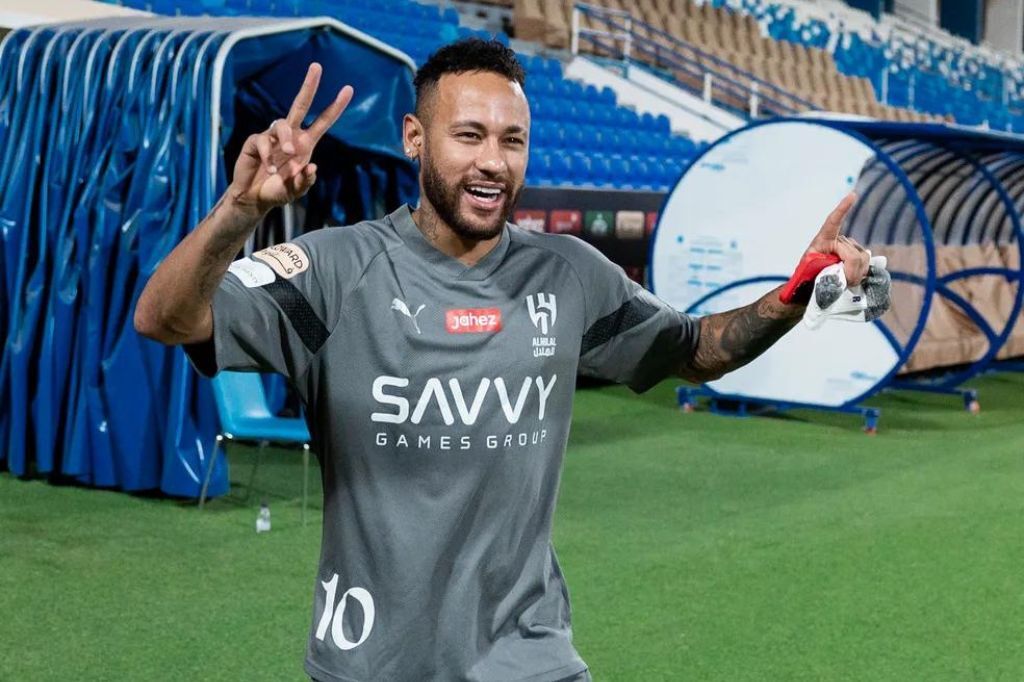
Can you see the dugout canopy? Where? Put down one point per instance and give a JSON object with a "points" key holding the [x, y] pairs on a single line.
{"points": [[941, 202], [117, 136]]}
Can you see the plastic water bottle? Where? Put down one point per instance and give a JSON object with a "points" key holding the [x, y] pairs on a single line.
{"points": [[263, 520]]}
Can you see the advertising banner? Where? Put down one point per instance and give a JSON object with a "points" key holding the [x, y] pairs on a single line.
{"points": [[618, 223]]}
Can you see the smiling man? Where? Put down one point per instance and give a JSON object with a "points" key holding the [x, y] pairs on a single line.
{"points": [[436, 352], [470, 135]]}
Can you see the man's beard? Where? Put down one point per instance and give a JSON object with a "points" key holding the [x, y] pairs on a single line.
{"points": [[446, 198]]}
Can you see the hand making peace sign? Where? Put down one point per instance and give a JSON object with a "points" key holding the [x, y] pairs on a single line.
{"points": [[273, 168]]}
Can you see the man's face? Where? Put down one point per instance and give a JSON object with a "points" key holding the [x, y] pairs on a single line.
{"points": [[474, 150]]}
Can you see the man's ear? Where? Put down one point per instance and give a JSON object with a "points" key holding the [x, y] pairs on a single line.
{"points": [[412, 136]]}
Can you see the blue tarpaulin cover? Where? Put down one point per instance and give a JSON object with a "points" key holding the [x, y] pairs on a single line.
{"points": [[116, 138]]}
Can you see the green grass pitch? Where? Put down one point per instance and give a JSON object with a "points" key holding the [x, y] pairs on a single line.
{"points": [[696, 547]]}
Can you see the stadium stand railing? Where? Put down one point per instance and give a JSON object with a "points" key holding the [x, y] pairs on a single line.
{"points": [[807, 72], [717, 81]]}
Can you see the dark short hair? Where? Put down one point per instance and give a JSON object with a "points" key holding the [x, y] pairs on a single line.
{"points": [[468, 54]]}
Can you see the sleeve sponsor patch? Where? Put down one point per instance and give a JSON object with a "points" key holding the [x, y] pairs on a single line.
{"points": [[287, 259], [252, 273]]}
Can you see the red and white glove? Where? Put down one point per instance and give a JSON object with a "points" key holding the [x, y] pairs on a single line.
{"points": [[799, 287], [827, 248]]}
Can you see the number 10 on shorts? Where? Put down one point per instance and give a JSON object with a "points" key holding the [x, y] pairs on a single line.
{"points": [[334, 616]]}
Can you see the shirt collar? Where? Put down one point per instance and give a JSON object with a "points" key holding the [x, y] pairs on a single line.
{"points": [[415, 240]]}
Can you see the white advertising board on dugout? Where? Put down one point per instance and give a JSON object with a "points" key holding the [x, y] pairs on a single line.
{"points": [[736, 225]]}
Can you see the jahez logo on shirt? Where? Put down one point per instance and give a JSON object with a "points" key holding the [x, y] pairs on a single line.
{"points": [[473, 320]]}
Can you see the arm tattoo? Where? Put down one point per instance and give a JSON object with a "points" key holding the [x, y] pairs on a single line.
{"points": [[731, 339], [223, 245]]}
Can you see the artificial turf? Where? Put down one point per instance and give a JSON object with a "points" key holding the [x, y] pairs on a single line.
{"points": [[696, 547]]}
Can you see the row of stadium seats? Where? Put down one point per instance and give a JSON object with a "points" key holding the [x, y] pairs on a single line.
{"points": [[619, 171], [578, 112], [727, 42], [556, 87], [967, 99], [916, 72], [568, 116], [868, 74], [570, 138], [394, 8]]}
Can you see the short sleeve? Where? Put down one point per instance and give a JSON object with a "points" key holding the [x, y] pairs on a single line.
{"points": [[632, 337], [272, 312]]}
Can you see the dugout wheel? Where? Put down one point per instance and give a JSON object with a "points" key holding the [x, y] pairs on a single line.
{"points": [[871, 421], [684, 399]]}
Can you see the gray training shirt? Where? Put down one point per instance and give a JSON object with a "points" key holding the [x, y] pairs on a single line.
{"points": [[439, 398]]}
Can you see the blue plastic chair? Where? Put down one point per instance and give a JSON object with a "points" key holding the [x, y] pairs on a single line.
{"points": [[561, 168], [573, 139], [601, 170], [540, 167], [620, 173], [244, 416]]}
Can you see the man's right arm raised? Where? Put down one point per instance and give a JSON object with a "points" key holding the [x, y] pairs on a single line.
{"points": [[273, 169]]}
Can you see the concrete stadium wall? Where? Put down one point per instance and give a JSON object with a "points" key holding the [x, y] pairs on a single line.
{"points": [[1004, 25]]}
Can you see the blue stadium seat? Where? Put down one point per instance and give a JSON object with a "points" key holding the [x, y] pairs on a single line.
{"points": [[663, 170], [641, 172], [579, 168], [539, 85], [574, 90], [572, 138], [564, 111], [620, 171], [601, 170], [563, 89], [536, 66], [612, 140], [538, 167], [604, 115], [628, 119], [561, 169], [629, 139], [543, 164], [539, 136], [552, 67], [584, 112], [540, 108], [556, 136], [647, 142]]}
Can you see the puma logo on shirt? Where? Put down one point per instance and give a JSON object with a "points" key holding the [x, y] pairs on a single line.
{"points": [[401, 307]]}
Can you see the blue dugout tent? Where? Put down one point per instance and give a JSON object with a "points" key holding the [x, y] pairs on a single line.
{"points": [[117, 137]]}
